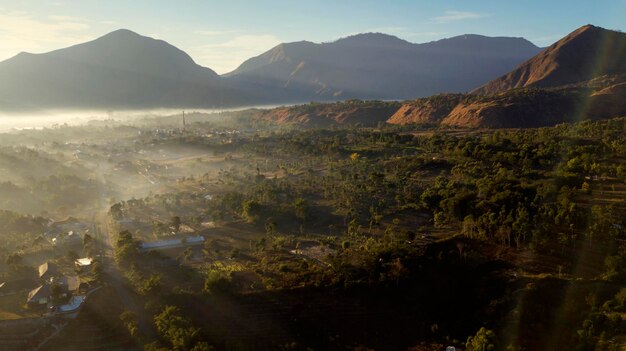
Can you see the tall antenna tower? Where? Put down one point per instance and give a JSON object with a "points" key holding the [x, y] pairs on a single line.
{"points": [[184, 122]]}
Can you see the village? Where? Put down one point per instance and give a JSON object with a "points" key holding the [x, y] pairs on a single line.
{"points": [[61, 281], [38, 306]]}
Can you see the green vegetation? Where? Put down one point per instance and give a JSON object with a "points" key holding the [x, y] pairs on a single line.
{"points": [[479, 239], [177, 331], [378, 208]]}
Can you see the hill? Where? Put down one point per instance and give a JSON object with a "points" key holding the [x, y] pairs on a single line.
{"points": [[350, 112], [430, 110], [517, 108], [584, 54], [380, 66]]}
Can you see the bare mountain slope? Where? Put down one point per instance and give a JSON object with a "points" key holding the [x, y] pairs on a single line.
{"points": [[584, 54]]}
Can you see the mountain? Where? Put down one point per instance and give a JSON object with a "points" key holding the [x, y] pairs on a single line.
{"points": [[380, 66], [588, 52], [119, 70], [582, 76], [124, 70]]}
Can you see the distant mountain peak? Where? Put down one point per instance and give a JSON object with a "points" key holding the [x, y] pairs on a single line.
{"points": [[125, 49], [588, 27], [127, 36], [371, 38], [124, 35], [122, 32]]}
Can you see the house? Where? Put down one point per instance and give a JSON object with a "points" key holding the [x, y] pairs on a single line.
{"points": [[16, 286], [69, 283], [39, 296], [83, 262], [42, 295], [70, 239], [48, 270]]}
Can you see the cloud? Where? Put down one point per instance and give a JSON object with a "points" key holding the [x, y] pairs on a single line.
{"points": [[20, 31], [225, 56], [452, 16]]}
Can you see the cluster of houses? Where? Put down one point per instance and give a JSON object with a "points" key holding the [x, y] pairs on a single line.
{"points": [[56, 290], [53, 290], [55, 287]]}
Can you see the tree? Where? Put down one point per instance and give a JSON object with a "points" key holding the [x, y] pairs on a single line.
{"points": [[615, 267], [301, 209], [217, 279], [176, 329], [469, 228], [151, 286], [354, 227], [522, 224], [125, 248], [117, 211], [270, 227], [129, 319], [439, 219], [484, 340], [251, 210]]}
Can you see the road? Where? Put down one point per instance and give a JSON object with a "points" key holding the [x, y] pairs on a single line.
{"points": [[114, 276]]}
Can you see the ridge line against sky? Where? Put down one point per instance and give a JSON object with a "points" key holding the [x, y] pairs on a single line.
{"points": [[221, 35]]}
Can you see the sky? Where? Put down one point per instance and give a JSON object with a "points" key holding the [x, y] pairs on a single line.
{"points": [[222, 34]]}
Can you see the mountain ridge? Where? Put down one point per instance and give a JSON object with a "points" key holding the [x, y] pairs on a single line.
{"points": [[383, 66]]}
